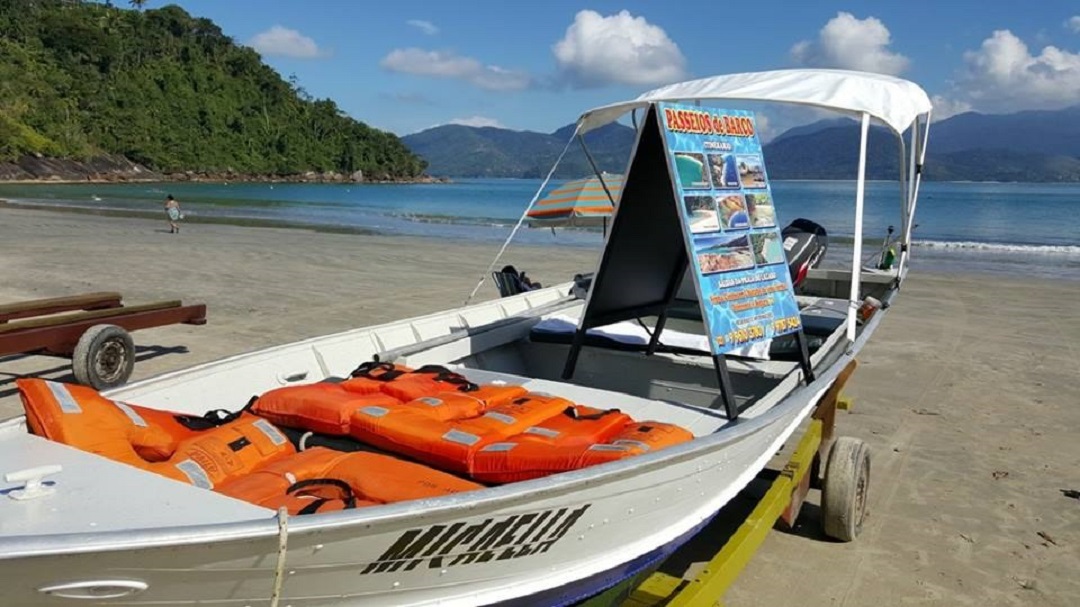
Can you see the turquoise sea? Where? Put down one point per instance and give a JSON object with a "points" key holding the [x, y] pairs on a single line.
{"points": [[1023, 229]]}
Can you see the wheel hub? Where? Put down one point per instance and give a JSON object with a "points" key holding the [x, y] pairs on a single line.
{"points": [[110, 360]]}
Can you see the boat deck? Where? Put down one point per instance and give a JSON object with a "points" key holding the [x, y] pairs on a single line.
{"points": [[680, 378], [93, 494]]}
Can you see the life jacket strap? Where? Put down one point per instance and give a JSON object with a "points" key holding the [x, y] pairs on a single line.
{"points": [[348, 496], [214, 418], [573, 412]]}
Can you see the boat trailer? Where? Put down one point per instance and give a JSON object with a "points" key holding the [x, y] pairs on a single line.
{"points": [[839, 466], [95, 337]]}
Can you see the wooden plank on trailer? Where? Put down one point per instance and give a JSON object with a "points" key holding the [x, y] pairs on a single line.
{"points": [[52, 305], [63, 319], [61, 339]]}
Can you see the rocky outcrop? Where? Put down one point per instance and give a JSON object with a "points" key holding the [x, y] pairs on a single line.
{"points": [[119, 169], [306, 177], [98, 168]]}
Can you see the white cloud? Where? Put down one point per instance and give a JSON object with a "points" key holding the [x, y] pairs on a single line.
{"points": [[284, 42], [448, 64], [478, 121], [1073, 23], [850, 43], [947, 107], [1003, 75], [427, 27], [620, 49], [764, 127]]}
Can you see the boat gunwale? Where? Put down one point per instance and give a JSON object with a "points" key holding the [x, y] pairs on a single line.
{"points": [[416, 511], [24, 546]]}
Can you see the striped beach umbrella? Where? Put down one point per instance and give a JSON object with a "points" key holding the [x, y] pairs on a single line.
{"points": [[577, 203]]}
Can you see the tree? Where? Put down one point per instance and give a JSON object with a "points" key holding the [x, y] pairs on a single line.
{"points": [[170, 91]]}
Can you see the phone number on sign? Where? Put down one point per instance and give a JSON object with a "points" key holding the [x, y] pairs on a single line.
{"points": [[785, 324], [743, 335]]}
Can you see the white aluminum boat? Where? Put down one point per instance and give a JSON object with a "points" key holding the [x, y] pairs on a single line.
{"points": [[108, 533]]}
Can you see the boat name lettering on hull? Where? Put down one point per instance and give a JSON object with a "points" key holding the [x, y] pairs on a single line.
{"points": [[498, 539]]}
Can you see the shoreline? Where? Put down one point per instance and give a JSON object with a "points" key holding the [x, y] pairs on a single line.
{"points": [[289, 225], [90, 229], [430, 179], [929, 245], [220, 179], [245, 222]]}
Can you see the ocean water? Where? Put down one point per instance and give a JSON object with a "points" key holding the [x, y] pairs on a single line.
{"points": [[1022, 229]]}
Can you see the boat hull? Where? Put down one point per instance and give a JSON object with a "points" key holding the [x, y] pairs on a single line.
{"points": [[552, 540], [517, 546]]}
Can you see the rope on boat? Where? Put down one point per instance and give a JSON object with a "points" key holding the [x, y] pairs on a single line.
{"points": [[520, 221], [283, 542]]}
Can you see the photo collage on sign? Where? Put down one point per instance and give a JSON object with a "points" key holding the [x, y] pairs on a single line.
{"points": [[722, 216], [730, 226]]}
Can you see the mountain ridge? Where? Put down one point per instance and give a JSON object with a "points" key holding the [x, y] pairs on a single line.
{"points": [[1032, 145]]}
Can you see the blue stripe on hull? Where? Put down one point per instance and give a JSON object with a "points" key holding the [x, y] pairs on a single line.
{"points": [[580, 590]]}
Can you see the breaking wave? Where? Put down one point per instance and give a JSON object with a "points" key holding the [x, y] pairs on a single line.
{"points": [[995, 247]]}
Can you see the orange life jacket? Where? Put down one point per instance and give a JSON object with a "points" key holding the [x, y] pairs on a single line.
{"points": [[320, 480], [446, 406], [221, 454], [80, 417], [369, 377], [557, 444], [323, 407], [418, 432], [635, 439], [149, 439], [405, 384]]}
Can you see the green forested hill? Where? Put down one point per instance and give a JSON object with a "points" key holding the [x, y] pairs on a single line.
{"points": [[454, 150], [169, 91]]}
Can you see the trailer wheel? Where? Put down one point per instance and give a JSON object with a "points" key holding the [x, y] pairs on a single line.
{"points": [[104, 357], [847, 482]]}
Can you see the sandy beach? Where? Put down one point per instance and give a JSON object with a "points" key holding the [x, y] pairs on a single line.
{"points": [[968, 394]]}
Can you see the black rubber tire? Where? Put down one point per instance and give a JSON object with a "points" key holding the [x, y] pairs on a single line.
{"points": [[104, 357], [847, 483]]}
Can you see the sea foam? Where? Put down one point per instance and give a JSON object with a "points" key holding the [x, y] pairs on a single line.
{"points": [[998, 247]]}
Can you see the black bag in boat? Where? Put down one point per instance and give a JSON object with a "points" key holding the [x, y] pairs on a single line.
{"points": [[804, 244]]}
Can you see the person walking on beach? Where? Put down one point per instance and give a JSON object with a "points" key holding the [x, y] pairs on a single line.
{"points": [[172, 208]]}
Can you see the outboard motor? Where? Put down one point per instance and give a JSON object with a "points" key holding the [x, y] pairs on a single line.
{"points": [[804, 244]]}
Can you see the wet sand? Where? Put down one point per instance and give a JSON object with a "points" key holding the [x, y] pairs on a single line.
{"points": [[968, 395]]}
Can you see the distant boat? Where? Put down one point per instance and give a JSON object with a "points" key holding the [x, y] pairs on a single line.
{"points": [[96, 198]]}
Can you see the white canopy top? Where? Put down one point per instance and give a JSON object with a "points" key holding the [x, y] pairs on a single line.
{"points": [[894, 101]]}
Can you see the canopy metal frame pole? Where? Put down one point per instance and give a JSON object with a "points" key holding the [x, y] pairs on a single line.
{"points": [[856, 259], [524, 214], [596, 170], [908, 189], [918, 154]]}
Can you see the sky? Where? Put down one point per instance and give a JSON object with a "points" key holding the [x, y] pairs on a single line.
{"points": [[537, 65]]}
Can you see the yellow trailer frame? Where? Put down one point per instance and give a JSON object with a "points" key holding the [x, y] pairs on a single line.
{"points": [[781, 503]]}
